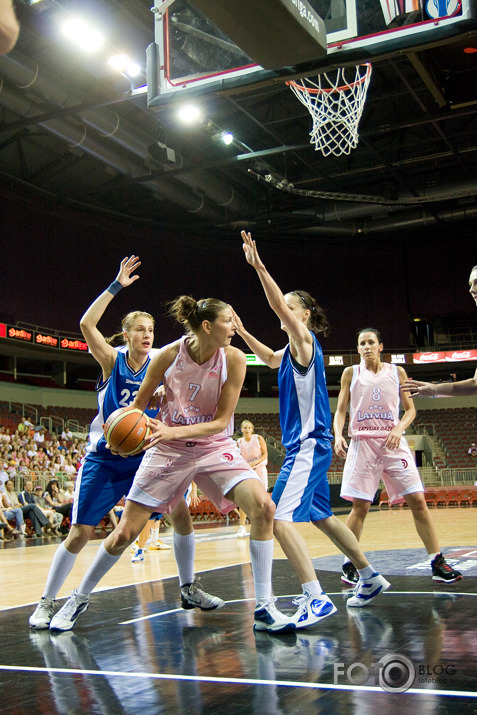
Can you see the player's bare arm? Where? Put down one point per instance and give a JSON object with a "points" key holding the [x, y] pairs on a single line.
{"points": [[463, 388], [296, 329], [340, 415], [270, 357], [104, 353]]}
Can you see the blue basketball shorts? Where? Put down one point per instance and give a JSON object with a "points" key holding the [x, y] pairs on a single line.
{"points": [[302, 492], [101, 483]]}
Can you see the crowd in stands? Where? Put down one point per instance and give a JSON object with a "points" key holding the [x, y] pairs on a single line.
{"points": [[37, 479]]}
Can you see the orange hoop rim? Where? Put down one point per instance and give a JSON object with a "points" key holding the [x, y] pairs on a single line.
{"points": [[318, 90]]}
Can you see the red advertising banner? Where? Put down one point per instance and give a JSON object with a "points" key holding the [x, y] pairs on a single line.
{"points": [[3, 330], [71, 344], [51, 340], [25, 336], [450, 356]]}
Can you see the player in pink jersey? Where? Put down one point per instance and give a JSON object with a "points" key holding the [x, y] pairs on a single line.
{"points": [[202, 376], [378, 450], [253, 449]]}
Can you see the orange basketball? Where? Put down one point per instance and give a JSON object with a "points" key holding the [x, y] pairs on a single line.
{"points": [[126, 430]]}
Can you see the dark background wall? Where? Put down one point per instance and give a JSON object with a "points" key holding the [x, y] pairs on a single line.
{"points": [[56, 260]]}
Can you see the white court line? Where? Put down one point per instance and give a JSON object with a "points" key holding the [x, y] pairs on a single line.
{"points": [[239, 681], [293, 595]]}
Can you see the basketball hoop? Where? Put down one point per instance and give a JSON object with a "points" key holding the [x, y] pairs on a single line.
{"points": [[336, 105]]}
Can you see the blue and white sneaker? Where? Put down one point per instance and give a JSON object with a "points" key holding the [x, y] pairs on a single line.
{"points": [[367, 590], [66, 617], [312, 609], [267, 617], [137, 556]]}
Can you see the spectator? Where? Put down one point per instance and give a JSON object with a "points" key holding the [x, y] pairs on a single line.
{"points": [[28, 497], [3, 476], [15, 510], [68, 467], [472, 451], [55, 498], [5, 527], [70, 493], [40, 501], [39, 436], [67, 434]]}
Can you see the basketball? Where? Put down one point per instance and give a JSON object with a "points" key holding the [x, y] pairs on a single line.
{"points": [[126, 430]]}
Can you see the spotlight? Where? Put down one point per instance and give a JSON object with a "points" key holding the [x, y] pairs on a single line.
{"points": [[133, 69], [118, 62], [83, 34], [189, 113], [227, 138]]}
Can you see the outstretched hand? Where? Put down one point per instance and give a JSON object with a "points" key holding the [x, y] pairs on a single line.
{"points": [[416, 388], [127, 267], [250, 250], [237, 321]]}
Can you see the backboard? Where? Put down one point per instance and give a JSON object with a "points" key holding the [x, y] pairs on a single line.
{"points": [[192, 56]]}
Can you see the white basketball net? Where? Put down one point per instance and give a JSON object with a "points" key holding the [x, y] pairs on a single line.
{"points": [[336, 105]]}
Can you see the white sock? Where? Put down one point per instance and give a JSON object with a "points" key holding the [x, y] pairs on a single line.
{"points": [[261, 555], [154, 534], [433, 556], [61, 565], [102, 562], [312, 587], [184, 553], [366, 572], [346, 560]]}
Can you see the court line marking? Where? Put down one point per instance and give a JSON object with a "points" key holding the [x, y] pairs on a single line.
{"points": [[293, 595], [239, 681]]}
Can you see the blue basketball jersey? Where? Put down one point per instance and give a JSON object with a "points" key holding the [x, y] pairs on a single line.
{"points": [[304, 404], [119, 390]]}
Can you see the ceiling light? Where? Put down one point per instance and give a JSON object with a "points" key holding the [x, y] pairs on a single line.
{"points": [[83, 34], [189, 113], [119, 62], [133, 69], [227, 138]]}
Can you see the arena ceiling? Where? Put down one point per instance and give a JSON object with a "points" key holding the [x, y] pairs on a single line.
{"points": [[72, 131]]}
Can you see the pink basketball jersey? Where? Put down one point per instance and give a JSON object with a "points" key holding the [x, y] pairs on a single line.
{"points": [[193, 391], [374, 401], [250, 450]]}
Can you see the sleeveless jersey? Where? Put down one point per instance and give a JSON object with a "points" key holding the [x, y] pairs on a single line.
{"points": [[304, 404], [374, 401], [250, 450], [119, 390], [193, 392]]}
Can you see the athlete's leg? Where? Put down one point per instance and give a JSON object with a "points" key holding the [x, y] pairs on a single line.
{"points": [[423, 522], [251, 496], [344, 539], [295, 549], [357, 515]]}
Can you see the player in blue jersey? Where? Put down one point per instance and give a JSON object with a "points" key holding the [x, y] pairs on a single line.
{"points": [[301, 493], [104, 478]]}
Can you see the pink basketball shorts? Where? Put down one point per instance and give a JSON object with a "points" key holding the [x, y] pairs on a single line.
{"points": [[368, 461], [166, 471]]}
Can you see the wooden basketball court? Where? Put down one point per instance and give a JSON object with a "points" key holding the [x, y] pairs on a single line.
{"points": [[135, 641]]}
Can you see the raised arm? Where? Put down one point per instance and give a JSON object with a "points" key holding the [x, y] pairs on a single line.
{"points": [[295, 328], [340, 415], [270, 357], [463, 388], [104, 353]]}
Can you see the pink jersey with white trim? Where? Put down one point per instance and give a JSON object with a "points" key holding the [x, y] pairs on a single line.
{"points": [[193, 392], [374, 401]]}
